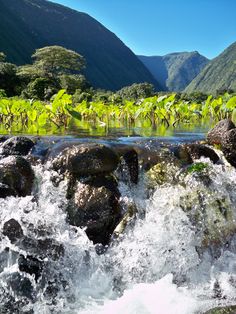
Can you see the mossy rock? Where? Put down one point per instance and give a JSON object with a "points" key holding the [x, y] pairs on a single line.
{"points": [[223, 310]]}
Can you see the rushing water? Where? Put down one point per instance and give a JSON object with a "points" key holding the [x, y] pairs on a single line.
{"points": [[158, 265]]}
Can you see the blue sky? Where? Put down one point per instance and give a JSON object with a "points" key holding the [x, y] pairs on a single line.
{"points": [[158, 27]]}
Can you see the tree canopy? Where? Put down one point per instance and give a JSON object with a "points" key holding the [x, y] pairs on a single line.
{"points": [[2, 56], [56, 60]]}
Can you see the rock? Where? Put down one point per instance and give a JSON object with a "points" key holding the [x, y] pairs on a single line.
{"points": [[223, 310], [6, 190], [228, 146], [16, 177], [31, 265], [216, 135], [16, 145], [95, 205], [42, 248], [12, 229], [130, 157], [21, 286], [8, 257], [87, 159], [131, 160], [189, 152]]}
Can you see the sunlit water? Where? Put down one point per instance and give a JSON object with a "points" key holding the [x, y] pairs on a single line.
{"points": [[154, 267]]}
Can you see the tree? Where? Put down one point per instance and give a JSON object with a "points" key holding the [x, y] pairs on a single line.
{"points": [[137, 91], [71, 83], [9, 80], [56, 60], [2, 56]]}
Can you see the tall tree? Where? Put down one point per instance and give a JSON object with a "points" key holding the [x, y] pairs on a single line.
{"points": [[56, 60]]}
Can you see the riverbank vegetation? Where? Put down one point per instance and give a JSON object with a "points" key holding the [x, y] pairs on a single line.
{"points": [[52, 93]]}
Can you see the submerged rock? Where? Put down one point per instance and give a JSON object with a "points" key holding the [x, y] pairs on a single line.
{"points": [[16, 145], [12, 229], [217, 134], [16, 177], [95, 205], [31, 265], [21, 286], [86, 159], [229, 146]]}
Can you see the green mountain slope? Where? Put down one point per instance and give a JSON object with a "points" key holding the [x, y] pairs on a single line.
{"points": [[176, 70], [219, 74], [26, 25]]}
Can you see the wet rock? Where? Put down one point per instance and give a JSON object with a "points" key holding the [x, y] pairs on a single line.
{"points": [[189, 152], [16, 177], [223, 310], [86, 159], [216, 135], [12, 229], [16, 145], [21, 286], [8, 257], [6, 190], [31, 265], [95, 205], [3, 139], [130, 157], [131, 160], [228, 146], [161, 173], [42, 248]]}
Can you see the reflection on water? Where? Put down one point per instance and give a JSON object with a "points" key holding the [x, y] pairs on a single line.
{"points": [[115, 129]]}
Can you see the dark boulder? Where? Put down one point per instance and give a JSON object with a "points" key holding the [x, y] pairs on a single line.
{"points": [[216, 135], [95, 205], [229, 146], [16, 145], [189, 152], [86, 159], [12, 229], [31, 265], [131, 160], [16, 177]]}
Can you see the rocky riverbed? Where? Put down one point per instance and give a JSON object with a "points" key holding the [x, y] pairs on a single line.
{"points": [[85, 223]]}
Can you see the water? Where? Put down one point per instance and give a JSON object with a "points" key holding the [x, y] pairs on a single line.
{"points": [[176, 256]]}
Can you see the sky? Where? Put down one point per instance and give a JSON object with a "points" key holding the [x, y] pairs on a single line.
{"points": [[158, 27]]}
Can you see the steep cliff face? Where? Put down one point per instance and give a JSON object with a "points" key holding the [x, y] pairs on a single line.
{"points": [[26, 25], [219, 74], [176, 70]]}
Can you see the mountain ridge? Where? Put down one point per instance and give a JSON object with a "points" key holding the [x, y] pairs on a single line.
{"points": [[175, 70], [219, 74], [26, 25]]}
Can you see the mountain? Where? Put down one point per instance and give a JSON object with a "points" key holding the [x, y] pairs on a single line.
{"points": [[176, 70], [26, 25], [219, 74]]}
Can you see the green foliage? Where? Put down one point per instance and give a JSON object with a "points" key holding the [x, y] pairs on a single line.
{"points": [[73, 82], [167, 110], [136, 91], [56, 60], [8, 78], [2, 93], [197, 167], [41, 88]]}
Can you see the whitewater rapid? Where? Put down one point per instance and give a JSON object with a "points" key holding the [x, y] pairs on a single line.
{"points": [[152, 268]]}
